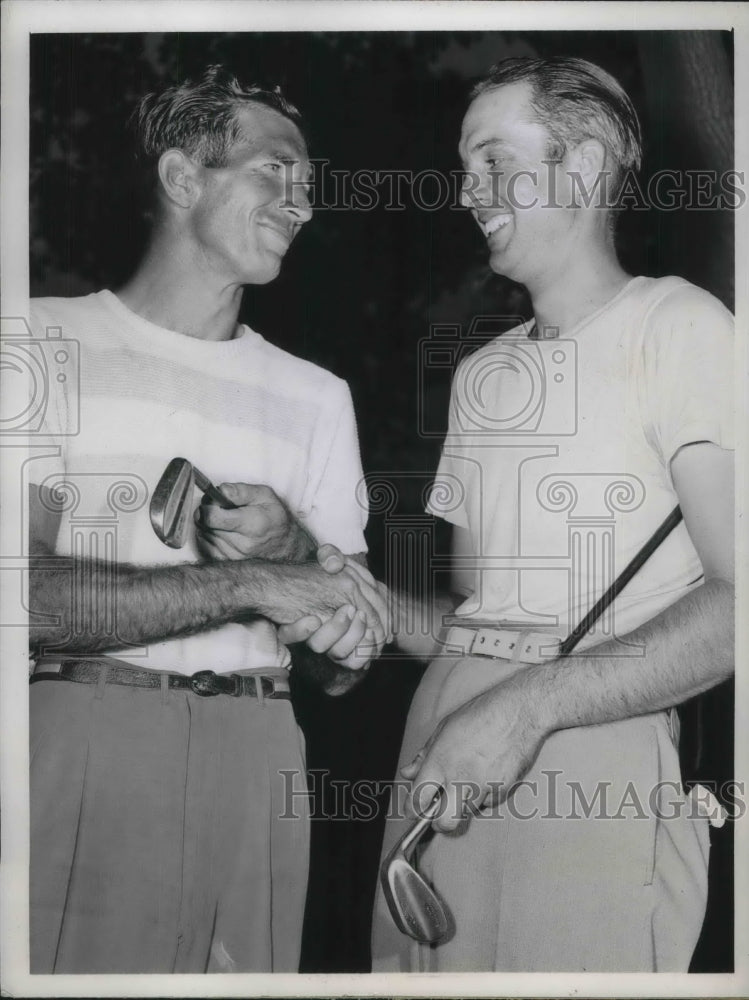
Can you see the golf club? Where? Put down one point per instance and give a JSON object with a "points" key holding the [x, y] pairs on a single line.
{"points": [[415, 907], [171, 501]]}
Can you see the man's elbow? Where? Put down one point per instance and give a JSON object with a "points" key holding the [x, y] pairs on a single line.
{"points": [[721, 611]]}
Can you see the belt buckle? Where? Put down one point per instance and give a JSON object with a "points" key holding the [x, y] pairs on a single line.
{"points": [[274, 687], [204, 683]]}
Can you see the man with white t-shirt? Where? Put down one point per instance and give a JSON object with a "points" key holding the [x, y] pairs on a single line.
{"points": [[570, 440], [162, 733]]}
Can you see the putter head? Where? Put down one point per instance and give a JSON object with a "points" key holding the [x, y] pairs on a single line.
{"points": [[415, 907], [171, 503]]}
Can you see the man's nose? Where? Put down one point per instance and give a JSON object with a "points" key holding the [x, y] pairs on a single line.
{"points": [[296, 202], [480, 190]]}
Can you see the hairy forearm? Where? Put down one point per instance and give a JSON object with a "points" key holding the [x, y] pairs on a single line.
{"points": [[91, 606], [687, 649]]}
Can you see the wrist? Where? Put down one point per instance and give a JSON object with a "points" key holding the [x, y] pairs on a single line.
{"points": [[537, 705], [300, 545], [266, 588]]}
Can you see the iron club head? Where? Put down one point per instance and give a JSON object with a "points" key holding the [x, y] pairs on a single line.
{"points": [[171, 503], [414, 906]]}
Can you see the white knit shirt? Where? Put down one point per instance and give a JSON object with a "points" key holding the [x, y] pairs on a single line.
{"points": [[131, 396], [557, 458]]}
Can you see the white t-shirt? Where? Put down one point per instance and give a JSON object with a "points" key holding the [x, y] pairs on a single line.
{"points": [[127, 396], [557, 457]]}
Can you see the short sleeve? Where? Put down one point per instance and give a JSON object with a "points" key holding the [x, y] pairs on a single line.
{"points": [[338, 509], [453, 482], [688, 372]]}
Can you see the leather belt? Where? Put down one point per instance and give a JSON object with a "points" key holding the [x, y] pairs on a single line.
{"points": [[205, 683], [516, 645]]}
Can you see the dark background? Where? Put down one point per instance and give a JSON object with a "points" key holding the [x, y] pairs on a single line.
{"points": [[358, 294]]}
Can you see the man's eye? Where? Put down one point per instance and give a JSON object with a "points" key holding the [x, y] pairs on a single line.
{"points": [[274, 165]]}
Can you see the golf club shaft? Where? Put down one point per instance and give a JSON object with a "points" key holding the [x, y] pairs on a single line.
{"points": [[214, 494], [658, 536], [423, 821]]}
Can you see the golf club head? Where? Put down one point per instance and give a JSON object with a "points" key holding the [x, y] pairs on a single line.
{"points": [[171, 503], [415, 907]]}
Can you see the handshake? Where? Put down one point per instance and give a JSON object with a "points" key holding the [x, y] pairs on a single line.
{"points": [[358, 629], [316, 595]]}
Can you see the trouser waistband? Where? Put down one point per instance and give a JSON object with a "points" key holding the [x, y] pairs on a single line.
{"points": [[271, 683]]}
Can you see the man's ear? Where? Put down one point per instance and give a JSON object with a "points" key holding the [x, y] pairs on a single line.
{"points": [[179, 178], [588, 161]]}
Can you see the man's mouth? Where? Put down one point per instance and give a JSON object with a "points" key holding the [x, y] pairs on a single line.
{"points": [[282, 234], [494, 224]]}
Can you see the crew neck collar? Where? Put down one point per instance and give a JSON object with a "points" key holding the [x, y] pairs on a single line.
{"points": [[173, 340], [530, 325]]}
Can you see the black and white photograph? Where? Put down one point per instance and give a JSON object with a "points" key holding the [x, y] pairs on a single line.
{"points": [[373, 477]]}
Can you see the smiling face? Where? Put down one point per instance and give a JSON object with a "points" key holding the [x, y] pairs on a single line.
{"points": [[250, 210], [512, 193]]}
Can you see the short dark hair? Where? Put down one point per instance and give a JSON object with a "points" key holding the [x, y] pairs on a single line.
{"points": [[574, 100], [200, 117]]}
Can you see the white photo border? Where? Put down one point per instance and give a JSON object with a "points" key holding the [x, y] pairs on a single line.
{"points": [[20, 18]]}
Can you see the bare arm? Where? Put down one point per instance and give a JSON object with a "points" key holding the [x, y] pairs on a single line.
{"points": [[417, 625], [689, 648], [157, 603]]}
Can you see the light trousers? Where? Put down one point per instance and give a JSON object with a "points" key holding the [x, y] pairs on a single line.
{"points": [[597, 862], [161, 834]]}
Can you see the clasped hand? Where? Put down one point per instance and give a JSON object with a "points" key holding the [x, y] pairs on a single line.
{"points": [[348, 636], [353, 627]]}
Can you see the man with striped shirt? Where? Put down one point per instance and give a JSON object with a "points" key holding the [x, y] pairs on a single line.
{"points": [[160, 719]]}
